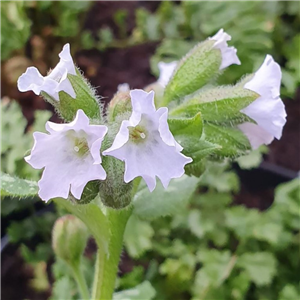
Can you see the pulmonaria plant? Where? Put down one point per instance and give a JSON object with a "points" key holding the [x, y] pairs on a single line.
{"points": [[174, 127]]}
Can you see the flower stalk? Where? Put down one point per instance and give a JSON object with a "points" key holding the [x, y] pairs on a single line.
{"points": [[107, 263], [80, 280]]}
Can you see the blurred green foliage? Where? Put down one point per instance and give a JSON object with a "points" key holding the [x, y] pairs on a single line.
{"points": [[205, 246], [212, 249], [56, 21]]}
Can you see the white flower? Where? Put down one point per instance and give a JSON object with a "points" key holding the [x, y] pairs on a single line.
{"points": [[166, 71], [268, 110], [70, 155], [146, 144], [229, 56], [53, 83]]}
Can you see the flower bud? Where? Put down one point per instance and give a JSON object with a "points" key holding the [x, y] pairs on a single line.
{"points": [[69, 238], [119, 104]]}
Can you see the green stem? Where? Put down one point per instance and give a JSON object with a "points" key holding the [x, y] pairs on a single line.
{"points": [[80, 280], [107, 263]]}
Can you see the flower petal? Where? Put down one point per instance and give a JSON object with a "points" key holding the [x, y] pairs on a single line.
{"points": [[166, 71], [268, 110], [56, 81], [142, 101], [256, 135], [229, 56], [31, 80]]}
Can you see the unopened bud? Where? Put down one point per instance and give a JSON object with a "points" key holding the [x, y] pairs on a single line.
{"points": [[119, 104], [69, 238]]}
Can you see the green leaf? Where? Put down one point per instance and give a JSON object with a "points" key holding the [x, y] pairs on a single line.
{"points": [[198, 150], [233, 142], [217, 267], [16, 187], [85, 99], [289, 292], [137, 236], [42, 253], [242, 221], [197, 225], [196, 69], [143, 291], [219, 105], [187, 132], [64, 288], [179, 271], [217, 176], [187, 126], [253, 159], [30, 227], [260, 266], [163, 202], [132, 278]]}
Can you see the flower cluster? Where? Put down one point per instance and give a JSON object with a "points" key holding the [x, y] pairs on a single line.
{"points": [[71, 154]]}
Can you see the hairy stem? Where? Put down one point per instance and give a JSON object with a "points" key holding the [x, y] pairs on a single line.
{"points": [[107, 263], [80, 280]]}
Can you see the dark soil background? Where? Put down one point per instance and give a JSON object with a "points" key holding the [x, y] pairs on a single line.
{"points": [[106, 70]]}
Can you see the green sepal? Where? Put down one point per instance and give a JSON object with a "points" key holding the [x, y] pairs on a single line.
{"points": [[114, 192], [188, 133], [198, 150], [232, 141], [15, 187], [194, 71], [187, 126], [219, 105], [90, 192], [85, 100]]}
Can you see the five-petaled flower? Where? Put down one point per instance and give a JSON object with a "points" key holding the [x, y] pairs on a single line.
{"points": [[268, 110], [70, 155], [146, 144], [56, 81], [229, 56]]}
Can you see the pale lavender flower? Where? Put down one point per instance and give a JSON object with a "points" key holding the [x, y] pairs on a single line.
{"points": [[146, 144], [54, 82], [229, 56], [268, 110], [70, 154]]}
